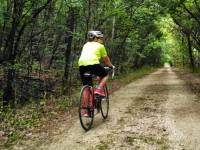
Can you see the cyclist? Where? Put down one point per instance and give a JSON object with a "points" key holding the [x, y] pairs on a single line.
{"points": [[92, 52]]}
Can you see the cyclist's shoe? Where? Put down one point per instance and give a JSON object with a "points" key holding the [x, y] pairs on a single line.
{"points": [[100, 92], [86, 114]]}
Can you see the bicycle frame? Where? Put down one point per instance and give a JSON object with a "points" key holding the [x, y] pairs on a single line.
{"points": [[89, 104]]}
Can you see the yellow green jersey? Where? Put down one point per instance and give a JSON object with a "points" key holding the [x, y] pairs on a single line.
{"points": [[91, 53]]}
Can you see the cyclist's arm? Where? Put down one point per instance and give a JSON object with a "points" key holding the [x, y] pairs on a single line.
{"points": [[105, 57], [107, 61]]}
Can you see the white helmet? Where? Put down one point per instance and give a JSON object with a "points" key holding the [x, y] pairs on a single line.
{"points": [[92, 34]]}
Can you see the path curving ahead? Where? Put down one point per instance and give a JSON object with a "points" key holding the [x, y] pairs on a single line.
{"points": [[156, 112]]}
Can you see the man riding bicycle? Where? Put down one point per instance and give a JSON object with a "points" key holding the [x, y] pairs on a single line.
{"points": [[92, 52]]}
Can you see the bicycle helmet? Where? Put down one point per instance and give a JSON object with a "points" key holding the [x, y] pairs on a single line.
{"points": [[93, 34]]}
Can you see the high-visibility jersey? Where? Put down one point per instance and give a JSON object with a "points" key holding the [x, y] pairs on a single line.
{"points": [[91, 53]]}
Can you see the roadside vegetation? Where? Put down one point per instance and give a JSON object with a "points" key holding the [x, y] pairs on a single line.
{"points": [[24, 122]]}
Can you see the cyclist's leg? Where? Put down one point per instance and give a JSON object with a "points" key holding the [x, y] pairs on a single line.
{"points": [[103, 81], [87, 101], [86, 80], [98, 70]]}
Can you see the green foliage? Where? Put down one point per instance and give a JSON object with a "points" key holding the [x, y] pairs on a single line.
{"points": [[137, 33], [65, 104], [130, 75], [181, 20], [15, 124]]}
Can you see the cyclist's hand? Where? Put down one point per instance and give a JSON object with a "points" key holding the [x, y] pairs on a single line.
{"points": [[113, 67], [113, 71]]}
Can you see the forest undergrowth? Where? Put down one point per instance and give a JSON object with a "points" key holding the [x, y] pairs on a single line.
{"points": [[27, 121]]}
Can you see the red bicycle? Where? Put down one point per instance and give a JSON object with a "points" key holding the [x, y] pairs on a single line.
{"points": [[92, 104]]}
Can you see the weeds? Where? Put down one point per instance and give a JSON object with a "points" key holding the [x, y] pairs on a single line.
{"points": [[102, 146]]}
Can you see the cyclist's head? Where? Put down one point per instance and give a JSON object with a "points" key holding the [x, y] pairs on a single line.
{"points": [[92, 35]]}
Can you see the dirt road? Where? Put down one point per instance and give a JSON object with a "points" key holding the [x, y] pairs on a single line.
{"points": [[156, 112]]}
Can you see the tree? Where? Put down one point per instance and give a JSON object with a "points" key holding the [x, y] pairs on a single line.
{"points": [[8, 55]]}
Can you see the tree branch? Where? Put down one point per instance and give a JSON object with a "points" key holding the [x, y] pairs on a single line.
{"points": [[191, 14], [197, 5]]}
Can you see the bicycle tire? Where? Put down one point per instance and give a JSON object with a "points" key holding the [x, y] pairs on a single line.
{"points": [[104, 107], [86, 104]]}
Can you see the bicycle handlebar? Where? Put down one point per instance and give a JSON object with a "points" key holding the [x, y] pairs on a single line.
{"points": [[109, 70]]}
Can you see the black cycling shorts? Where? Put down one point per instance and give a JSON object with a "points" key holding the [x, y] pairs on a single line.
{"points": [[96, 70]]}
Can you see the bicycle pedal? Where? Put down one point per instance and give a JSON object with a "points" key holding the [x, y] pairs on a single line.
{"points": [[103, 99]]}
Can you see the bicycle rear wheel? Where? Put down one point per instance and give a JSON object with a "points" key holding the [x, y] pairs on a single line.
{"points": [[105, 104], [86, 109]]}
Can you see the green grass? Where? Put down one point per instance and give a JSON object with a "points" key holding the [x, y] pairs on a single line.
{"points": [[102, 146], [132, 75], [160, 142], [189, 69]]}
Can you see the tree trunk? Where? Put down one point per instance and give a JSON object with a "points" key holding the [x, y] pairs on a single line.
{"points": [[183, 57], [69, 39], [8, 96], [190, 51], [113, 28], [88, 16], [55, 47], [10, 55], [11, 48]]}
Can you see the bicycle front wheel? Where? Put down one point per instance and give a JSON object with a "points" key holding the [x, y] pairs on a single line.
{"points": [[86, 109], [105, 104]]}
